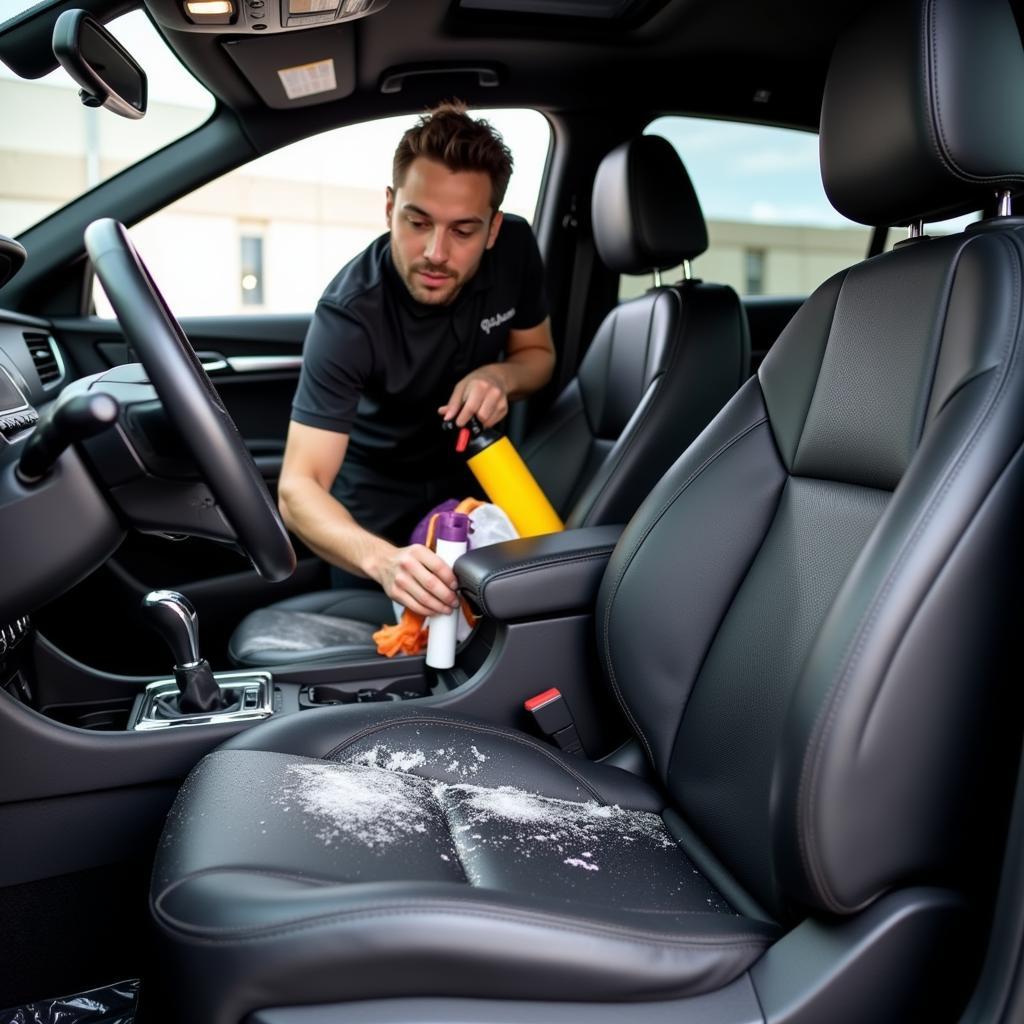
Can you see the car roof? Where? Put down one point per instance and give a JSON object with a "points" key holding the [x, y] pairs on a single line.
{"points": [[744, 59]]}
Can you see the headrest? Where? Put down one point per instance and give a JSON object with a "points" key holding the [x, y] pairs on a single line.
{"points": [[644, 210], [922, 112]]}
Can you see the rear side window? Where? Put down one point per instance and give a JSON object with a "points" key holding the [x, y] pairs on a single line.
{"points": [[269, 236], [771, 228]]}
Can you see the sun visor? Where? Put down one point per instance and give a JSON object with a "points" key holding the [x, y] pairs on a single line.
{"points": [[298, 69]]}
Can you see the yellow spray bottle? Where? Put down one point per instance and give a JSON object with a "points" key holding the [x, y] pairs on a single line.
{"points": [[506, 480]]}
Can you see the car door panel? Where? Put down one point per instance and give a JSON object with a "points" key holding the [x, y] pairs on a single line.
{"points": [[253, 360]]}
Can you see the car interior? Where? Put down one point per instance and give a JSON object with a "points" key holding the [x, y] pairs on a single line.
{"points": [[740, 744], [657, 370]]}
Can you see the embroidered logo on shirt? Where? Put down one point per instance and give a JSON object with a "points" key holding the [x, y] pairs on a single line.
{"points": [[490, 322]]}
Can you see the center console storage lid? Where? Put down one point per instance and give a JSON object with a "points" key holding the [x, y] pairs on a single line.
{"points": [[535, 577]]}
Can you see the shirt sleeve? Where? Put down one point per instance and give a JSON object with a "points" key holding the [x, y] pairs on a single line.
{"points": [[336, 363], [531, 306]]}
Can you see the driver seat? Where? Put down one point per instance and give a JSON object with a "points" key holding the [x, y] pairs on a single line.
{"points": [[805, 625]]}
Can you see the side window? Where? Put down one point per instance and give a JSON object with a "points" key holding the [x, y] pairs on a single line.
{"points": [[771, 228], [269, 236]]}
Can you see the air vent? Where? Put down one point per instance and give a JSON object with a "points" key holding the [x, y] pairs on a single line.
{"points": [[46, 358]]}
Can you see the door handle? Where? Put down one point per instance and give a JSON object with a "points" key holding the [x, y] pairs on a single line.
{"points": [[217, 365]]}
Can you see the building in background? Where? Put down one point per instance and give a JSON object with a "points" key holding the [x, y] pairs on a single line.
{"points": [[264, 239]]}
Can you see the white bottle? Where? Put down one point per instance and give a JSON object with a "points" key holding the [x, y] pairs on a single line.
{"points": [[451, 534]]}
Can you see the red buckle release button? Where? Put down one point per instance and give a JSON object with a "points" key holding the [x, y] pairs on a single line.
{"points": [[541, 699], [553, 717]]}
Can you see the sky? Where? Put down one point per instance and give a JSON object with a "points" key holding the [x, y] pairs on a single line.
{"points": [[751, 172]]}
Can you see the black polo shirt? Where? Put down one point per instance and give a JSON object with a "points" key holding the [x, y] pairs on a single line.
{"points": [[377, 363]]}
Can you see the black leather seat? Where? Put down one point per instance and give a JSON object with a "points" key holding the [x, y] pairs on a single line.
{"points": [[658, 369], [805, 624]]}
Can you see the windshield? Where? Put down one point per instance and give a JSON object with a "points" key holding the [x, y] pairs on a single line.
{"points": [[10, 9], [54, 148]]}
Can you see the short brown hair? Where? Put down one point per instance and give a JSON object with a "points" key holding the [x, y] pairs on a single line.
{"points": [[450, 136]]}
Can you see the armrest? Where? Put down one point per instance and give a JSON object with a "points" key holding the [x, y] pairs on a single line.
{"points": [[537, 576]]}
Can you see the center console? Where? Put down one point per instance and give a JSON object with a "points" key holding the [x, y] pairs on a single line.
{"points": [[535, 600], [111, 748], [244, 696]]}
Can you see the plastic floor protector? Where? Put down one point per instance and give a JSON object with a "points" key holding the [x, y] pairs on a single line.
{"points": [[114, 1004]]}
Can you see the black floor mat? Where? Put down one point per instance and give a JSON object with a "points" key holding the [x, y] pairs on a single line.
{"points": [[114, 1004]]}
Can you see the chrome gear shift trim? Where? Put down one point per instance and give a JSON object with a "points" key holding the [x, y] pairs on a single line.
{"points": [[173, 616]]}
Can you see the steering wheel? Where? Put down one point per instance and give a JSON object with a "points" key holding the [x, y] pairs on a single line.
{"points": [[190, 400]]}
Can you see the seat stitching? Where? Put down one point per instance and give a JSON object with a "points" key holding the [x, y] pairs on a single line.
{"points": [[744, 331], [610, 467], [525, 568], [629, 559], [914, 617], [291, 876], [814, 756], [940, 143], [426, 907], [648, 333], [936, 134], [596, 417], [505, 734], [442, 810], [243, 869], [511, 568], [966, 382], [791, 466], [743, 942], [655, 388], [443, 813]]}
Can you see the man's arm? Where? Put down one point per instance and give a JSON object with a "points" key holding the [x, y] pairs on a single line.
{"points": [[486, 392], [413, 576]]}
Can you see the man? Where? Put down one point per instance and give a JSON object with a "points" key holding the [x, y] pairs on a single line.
{"points": [[411, 331]]}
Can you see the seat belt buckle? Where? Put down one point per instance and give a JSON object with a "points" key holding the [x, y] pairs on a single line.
{"points": [[554, 719]]}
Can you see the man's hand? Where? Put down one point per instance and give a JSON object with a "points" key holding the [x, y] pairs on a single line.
{"points": [[413, 576], [486, 392], [418, 579], [482, 393]]}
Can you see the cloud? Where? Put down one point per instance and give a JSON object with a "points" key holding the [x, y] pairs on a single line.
{"points": [[800, 157]]}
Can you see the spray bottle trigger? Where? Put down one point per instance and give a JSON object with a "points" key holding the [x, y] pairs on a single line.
{"points": [[463, 440]]}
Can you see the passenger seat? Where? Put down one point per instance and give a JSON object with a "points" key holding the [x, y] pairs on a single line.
{"points": [[658, 369], [660, 366]]}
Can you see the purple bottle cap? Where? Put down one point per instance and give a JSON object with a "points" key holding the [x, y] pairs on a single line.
{"points": [[453, 526]]}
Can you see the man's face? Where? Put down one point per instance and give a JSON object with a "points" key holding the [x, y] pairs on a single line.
{"points": [[441, 223]]}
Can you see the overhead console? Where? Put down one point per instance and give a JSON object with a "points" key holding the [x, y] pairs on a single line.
{"points": [[266, 16]]}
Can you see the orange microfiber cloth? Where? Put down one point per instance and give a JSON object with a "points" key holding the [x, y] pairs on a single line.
{"points": [[409, 636]]}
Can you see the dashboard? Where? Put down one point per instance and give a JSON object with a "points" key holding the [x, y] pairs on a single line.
{"points": [[55, 531], [33, 367]]}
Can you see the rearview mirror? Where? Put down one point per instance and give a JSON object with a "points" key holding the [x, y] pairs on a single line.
{"points": [[107, 73]]}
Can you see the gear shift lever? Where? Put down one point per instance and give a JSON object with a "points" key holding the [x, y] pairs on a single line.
{"points": [[173, 617]]}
